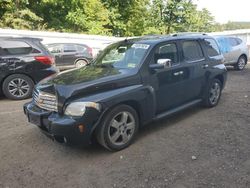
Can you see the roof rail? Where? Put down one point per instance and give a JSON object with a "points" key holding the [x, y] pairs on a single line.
{"points": [[187, 33]]}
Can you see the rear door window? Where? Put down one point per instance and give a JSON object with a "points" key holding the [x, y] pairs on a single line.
{"points": [[212, 48], [192, 51], [14, 48], [55, 48], [69, 48]]}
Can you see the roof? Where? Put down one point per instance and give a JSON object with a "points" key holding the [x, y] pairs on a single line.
{"points": [[19, 38], [161, 38]]}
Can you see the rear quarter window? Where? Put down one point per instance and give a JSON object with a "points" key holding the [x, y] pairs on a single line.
{"points": [[233, 41], [212, 48], [14, 48]]}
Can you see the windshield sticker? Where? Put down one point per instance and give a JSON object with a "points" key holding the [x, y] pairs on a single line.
{"points": [[142, 46]]}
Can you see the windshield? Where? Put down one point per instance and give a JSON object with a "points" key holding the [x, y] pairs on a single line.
{"points": [[122, 55]]}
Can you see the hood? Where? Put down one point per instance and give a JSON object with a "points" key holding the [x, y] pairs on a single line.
{"points": [[88, 80]]}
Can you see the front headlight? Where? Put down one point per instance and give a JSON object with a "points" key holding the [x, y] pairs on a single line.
{"points": [[79, 108]]}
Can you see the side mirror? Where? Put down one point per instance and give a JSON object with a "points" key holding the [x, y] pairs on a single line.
{"points": [[161, 64], [167, 63]]}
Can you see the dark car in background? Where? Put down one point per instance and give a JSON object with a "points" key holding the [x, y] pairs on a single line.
{"points": [[129, 84], [70, 55], [23, 63], [234, 50]]}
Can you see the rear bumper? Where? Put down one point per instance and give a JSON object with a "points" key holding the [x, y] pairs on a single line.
{"points": [[61, 128]]}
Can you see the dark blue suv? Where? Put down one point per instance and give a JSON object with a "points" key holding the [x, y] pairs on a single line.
{"points": [[130, 84], [23, 63]]}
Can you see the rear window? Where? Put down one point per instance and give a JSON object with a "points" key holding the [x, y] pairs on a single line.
{"points": [[14, 48], [192, 51], [212, 47]]}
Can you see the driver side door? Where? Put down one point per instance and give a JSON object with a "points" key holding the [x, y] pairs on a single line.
{"points": [[170, 80]]}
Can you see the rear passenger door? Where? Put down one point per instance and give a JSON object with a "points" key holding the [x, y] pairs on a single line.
{"points": [[57, 51], [69, 54], [194, 62], [236, 51]]}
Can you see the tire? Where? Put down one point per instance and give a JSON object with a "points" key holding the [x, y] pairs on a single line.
{"points": [[213, 93], [18, 87], [241, 63], [119, 128], [81, 63]]}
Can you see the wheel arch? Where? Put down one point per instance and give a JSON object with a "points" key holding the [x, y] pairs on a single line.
{"points": [[220, 78], [245, 56]]}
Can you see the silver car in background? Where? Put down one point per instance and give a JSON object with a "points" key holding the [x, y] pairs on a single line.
{"points": [[235, 51]]}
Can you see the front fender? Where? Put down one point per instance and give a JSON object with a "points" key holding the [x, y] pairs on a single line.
{"points": [[142, 96]]}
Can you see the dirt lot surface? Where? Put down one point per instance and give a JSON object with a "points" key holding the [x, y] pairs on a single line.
{"points": [[195, 148]]}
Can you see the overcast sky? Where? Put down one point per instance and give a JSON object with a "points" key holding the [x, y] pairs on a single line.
{"points": [[227, 10]]}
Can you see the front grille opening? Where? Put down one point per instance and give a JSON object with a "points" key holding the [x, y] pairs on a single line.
{"points": [[45, 101]]}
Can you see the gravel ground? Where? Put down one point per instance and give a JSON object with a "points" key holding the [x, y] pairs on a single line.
{"points": [[195, 148]]}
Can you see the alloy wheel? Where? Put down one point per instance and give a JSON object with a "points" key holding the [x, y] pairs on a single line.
{"points": [[18, 87], [214, 94], [121, 128]]}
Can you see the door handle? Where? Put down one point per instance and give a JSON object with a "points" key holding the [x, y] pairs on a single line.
{"points": [[205, 66], [178, 73]]}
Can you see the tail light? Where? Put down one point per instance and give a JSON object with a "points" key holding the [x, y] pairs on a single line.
{"points": [[90, 51], [47, 60]]}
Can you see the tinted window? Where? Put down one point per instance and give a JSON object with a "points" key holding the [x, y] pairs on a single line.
{"points": [[34, 51], [192, 51], [233, 41], [69, 48], [55, 49], [239, 41], [167, 51], [14, 48], [224, 45], [212, 47], [81, 49]]}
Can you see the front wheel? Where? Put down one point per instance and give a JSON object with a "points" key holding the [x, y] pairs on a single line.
{"points": [[213, 93], [240, 65], [119, 128]]}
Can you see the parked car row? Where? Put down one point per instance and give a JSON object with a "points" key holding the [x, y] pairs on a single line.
{"points": [[26, 61]]}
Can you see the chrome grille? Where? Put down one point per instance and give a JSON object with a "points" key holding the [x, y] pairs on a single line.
{"points": [[45, 101]]}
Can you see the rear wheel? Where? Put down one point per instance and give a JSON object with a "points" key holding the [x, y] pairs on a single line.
{"points": [[241, 63], [119, 128], [81, 63], [18, 87], [213, 93]]}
